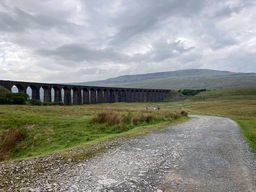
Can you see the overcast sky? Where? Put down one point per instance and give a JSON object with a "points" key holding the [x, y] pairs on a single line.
{"points": [[82, 40]]}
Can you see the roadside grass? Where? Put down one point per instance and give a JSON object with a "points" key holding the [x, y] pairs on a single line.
{"points": [[238, 104], [248, 129], [86, 150], [40, 130]]}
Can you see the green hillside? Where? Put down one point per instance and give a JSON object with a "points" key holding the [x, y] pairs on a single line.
{"points": [[182, 79], [3, 90], [248, 93], [200, 82]]}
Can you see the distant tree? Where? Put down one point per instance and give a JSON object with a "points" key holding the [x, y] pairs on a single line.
{"points": [[191, 92], [13, 98]]}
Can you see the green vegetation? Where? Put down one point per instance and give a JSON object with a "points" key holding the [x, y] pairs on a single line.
{"points": [[27, 130], [3, 90], [248, 129], [21, 98], [238, 104], [39, 103], [13, 98], [6, 97], [191, 92], [122, 121]]}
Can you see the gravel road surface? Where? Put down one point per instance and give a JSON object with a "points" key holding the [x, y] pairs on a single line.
{"points": [[204, 154]]}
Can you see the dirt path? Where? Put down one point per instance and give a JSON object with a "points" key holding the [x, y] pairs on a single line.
{"points": [[203, 154]]}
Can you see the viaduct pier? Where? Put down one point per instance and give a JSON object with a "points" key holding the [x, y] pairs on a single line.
{"points": [[79, 94]]}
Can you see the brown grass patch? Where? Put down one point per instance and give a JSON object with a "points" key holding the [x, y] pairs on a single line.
{"points": [[135, 118], [111, 117], [9, 141]]}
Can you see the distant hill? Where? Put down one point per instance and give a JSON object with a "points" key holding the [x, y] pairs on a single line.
{"points": [[182, 79]]}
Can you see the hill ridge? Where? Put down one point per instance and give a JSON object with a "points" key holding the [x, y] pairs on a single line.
{"points": [[181, 79]]}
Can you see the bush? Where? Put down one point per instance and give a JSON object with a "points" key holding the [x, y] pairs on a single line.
{"points": [[18, 100], [191, 92], [3, 100], [38, 102], [13, 98], [35, 102], [52, 103], [58, 103]]}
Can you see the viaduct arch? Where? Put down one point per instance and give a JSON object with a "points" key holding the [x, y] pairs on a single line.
{"points": [[86, 94]]}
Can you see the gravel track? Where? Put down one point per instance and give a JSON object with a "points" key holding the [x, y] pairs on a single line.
{"points": [[204, 154]]}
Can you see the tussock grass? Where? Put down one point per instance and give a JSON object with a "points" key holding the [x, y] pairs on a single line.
{"points": [[123, 120], [9, 141]]}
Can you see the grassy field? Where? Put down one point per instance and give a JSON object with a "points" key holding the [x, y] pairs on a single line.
{"points": [[27, 131], [238, 104]]}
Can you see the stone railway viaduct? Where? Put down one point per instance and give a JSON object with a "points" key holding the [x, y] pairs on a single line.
{"points": [[78, 94]]}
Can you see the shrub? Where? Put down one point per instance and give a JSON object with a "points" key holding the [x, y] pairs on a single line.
{"points": [[57, 103], [13, 98], [18, 100], [3, 100], [35, 102], [191, 92], [52, 103]]}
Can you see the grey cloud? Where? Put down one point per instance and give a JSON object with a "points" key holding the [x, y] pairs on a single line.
{"points": [[145, 15], [18, 20], [79, 53], [163, 50], [191, 58], [226, 9], [215, 38], [9, 23], [240, 61], [223, 42], [93, 40]]}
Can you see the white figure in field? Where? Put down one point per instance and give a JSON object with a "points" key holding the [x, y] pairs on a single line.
{"points": [[153, 108]]}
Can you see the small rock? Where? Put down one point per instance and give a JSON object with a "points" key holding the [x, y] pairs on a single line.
{"points": [[107, 182]]}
